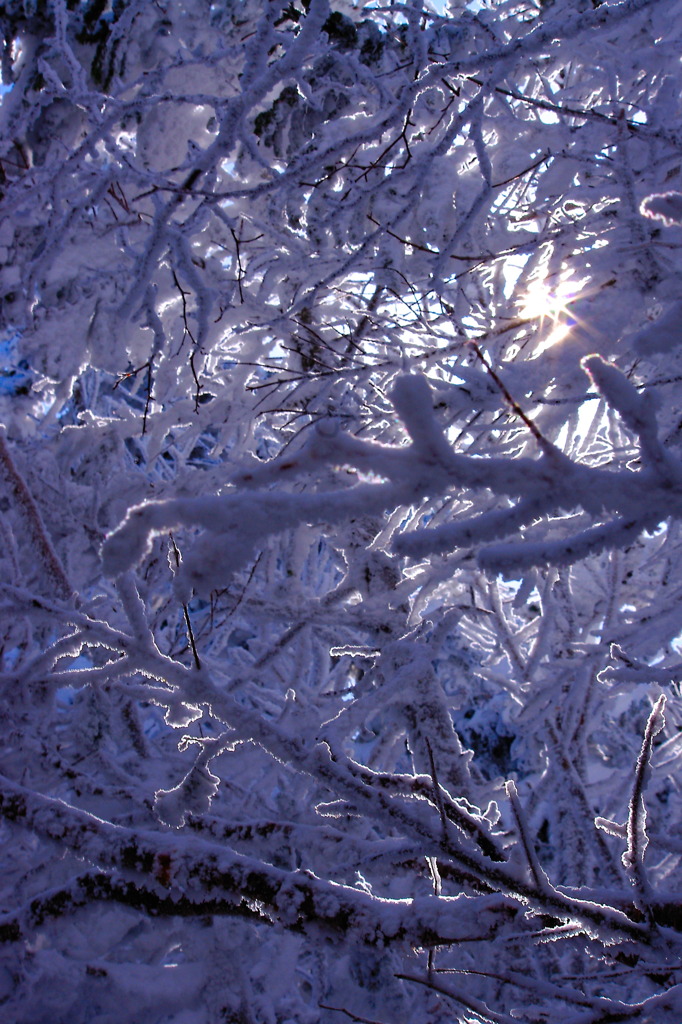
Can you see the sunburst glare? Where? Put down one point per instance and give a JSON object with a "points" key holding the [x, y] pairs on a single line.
{"points": [[550, 303]]}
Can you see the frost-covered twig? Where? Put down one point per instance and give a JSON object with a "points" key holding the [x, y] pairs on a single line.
{"points": [[637, 840], [539, 876]]}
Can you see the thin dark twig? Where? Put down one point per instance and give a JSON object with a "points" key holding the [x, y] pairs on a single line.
{"points": [[538, 874], [18, 486], [353, 1016], [197, 383], [240, 270], [378, 162], [438, 796], [475, 1005], [582, 112], [542, 441], [245, 587], [148, 366], [183, 297], [185, 609]]}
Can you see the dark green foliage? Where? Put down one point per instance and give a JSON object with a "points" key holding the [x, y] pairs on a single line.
{"points": [[341, 31]]}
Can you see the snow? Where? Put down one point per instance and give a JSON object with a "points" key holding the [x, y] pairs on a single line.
{"points": [[340, 598]]}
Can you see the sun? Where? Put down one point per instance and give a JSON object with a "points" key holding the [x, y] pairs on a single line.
{"points": [[549, 303]]}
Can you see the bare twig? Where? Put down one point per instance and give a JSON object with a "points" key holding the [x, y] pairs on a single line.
{"points": [[478, 1007], [185, 610], [437, 794], [17, 485]]}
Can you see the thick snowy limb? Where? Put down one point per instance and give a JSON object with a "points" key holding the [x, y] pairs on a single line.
{"points": [[237, 525], [192, 870]]}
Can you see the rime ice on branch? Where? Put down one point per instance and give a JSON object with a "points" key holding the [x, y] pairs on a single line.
{"points": [[340, 507]]}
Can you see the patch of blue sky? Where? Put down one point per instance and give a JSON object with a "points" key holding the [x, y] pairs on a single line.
{"points": [[15, 377]]}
